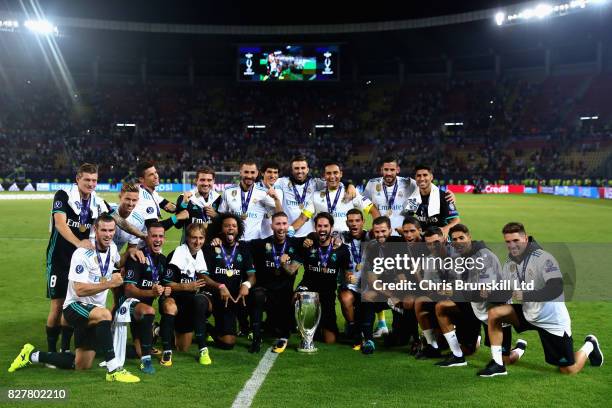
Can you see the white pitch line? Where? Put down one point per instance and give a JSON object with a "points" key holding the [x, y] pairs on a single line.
{"points": [[244, 399]]}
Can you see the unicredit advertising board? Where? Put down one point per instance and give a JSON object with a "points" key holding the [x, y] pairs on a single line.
{"points": [[489, 188]]}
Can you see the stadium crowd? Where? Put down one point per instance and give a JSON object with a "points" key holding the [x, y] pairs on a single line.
{"points": [[511, 130]]}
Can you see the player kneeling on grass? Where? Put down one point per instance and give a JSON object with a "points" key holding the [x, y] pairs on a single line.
{"points": [[231, 275], [323, 263], [276, 260], [142, 283], [187, 309], [90, 277], [460, 321], [542, 309]]}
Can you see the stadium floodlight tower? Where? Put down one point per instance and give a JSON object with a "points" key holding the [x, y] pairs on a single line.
{"points": [[541, 11], [41, 27]]}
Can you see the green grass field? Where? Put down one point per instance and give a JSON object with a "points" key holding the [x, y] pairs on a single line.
{"points": [[336, 375]]}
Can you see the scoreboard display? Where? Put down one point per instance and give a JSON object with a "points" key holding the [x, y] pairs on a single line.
{"points": [[271, 63]]}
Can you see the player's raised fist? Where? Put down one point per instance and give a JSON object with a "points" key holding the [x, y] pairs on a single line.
{"points": [[116, 280]]}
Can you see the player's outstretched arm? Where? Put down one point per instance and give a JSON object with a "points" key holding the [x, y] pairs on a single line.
{"points": [[301, 220], [89, 289], [134, 292], [126, 226]]}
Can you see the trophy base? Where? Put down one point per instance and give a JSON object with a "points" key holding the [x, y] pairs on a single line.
{"points": [[307, 350]]}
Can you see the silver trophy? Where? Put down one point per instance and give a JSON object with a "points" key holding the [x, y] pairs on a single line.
{"points": [[307, 316]]}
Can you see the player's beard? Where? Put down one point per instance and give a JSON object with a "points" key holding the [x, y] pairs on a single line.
{"points": [[280, 235], [389, 180]]}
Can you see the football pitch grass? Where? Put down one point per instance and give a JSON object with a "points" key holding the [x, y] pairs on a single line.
{"points": [[336, 375]]}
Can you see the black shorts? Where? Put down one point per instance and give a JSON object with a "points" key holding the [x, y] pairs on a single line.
{"points": [[225, 317], [57, 280], [506, 341], [328, 311], [77, 316], [186, 314], [467, 325], [558, 350]]}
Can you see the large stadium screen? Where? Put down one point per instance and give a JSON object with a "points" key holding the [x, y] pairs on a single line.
{"points": [[288, 63]]}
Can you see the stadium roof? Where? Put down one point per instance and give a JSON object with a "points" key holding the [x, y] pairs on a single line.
{"points": [[232, 12]]}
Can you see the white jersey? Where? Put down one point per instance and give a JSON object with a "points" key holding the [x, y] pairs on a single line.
{"points": [[318, 204], [375, 191], [148, 203], [490, 272], [258, 206], [537, 267], [84, 268], [137, 219], [291, 201], [266, 224]]}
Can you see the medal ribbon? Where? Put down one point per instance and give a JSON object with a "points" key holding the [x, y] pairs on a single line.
{"points": [[84, 215], [245, 202], [104, 267], [330, 207], [356, 252], [300, 199], [229, 260], [154, 271], [521, 275], [390, 201], [276, 255], [323, 257]]}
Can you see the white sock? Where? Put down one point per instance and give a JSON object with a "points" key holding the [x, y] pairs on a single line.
{"points": [[112, 365], [496, 353], [34, 356], [587, 348], [431, 339], [143, 358], [453, 343], [519, 352]]}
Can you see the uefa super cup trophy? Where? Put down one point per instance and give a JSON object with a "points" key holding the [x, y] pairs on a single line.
{"points": [[307, 316]]}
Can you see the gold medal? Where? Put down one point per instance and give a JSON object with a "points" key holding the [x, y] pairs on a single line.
{"points": [[243, 216], [358, 267], [103, 279], [378, 188], [324, 269], [229, 273], [389, 213], [82, 228], [301, 206]]}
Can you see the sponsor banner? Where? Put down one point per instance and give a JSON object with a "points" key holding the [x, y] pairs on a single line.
{"points": [[588, 192], [14, 187], [112, 188], [460, 188], [607, 193], [504, 189], [547, 190], [577, 191], [567, 191], [531, 190], [488, 189]]}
